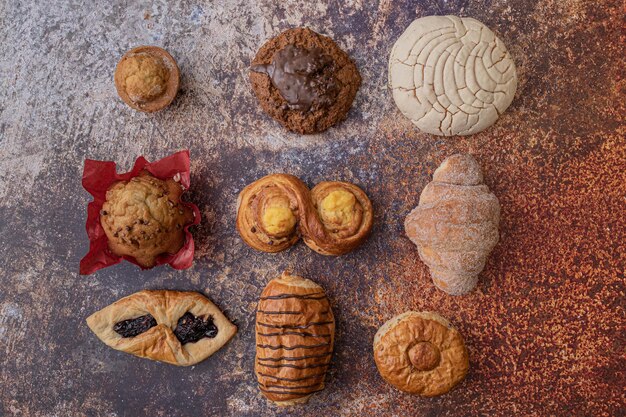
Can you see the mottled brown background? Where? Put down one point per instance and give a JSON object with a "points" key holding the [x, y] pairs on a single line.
{"points": [[545, 327]]}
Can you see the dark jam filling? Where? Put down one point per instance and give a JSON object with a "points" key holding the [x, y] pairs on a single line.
{"points": [[134, 327], [190, 328]]}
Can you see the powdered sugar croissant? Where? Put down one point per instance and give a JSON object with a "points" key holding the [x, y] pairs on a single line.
{"points": [[455, 225]]}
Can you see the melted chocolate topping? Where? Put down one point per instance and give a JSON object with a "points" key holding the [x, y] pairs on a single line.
{"points": [[295, 358], [292, 379], [312, 296], [190, 328], [287, 326], [305, 78], [134, 327]]}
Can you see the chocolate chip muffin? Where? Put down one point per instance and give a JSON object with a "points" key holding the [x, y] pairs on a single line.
{"points": [[304, 80], [147, 78], [145, 218]]}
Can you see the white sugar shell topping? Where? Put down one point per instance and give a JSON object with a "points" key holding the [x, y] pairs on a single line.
{"points": [[451, 75]]}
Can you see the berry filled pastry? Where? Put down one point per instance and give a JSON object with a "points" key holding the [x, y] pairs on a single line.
{"points": [[180, 328]]}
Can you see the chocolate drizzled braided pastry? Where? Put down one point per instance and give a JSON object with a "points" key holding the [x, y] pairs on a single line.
{"points": [[295, 331]]}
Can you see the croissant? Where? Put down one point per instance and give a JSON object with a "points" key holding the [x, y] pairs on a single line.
{"points": [[273, 212], [295, 331], [455, 225], [181, 328]]}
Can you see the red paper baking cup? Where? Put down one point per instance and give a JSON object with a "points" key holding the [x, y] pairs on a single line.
{"points": [[99, 176]]}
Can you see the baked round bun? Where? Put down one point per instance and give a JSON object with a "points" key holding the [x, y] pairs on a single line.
{"points": [[147, 78], [420, 353], [144, 218]]}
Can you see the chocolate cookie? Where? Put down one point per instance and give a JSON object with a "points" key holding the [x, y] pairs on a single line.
{"points": [[304, 80]]}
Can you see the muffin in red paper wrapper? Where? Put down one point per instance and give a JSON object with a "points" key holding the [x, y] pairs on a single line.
{"points": [[139, 216]]}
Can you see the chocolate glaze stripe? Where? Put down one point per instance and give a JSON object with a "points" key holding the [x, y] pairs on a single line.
{"points": [[286, 312], [295, 358], [279, 312], [286, 326], [317, 364], [291, 379], [291, 393], [303, 334], [261, 386], [310, 296], [286, 365], [293, 347]]}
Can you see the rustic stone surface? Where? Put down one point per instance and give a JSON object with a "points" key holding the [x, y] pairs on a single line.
{"points": [[544, 327]]}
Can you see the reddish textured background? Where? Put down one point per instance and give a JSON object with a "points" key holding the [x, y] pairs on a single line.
{"points": [[545, 327]]}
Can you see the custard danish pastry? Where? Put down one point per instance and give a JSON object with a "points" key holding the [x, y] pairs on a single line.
{"points": [[275, 211]]}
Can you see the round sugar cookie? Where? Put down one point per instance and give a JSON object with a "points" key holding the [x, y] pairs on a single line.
{"points": [[451, 75]]}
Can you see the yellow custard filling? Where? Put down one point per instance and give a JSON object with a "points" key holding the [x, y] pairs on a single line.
{"points": [[338, 207], [278, 220]]}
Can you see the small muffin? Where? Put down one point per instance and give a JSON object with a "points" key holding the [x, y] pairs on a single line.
{"points": [[304, 80], [145, 218], [147, 78], [420, 353]]}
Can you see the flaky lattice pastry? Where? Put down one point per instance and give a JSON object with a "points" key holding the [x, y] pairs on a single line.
{"points": [[275, 211]]}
